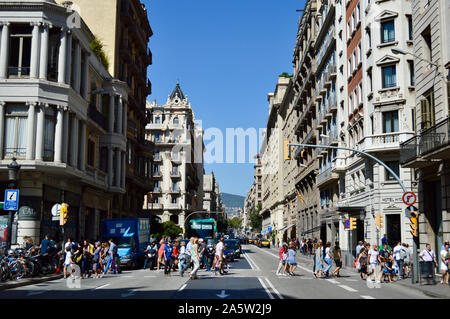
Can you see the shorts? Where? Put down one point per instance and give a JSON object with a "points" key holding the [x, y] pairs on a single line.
{"points": [[338, 262], [293, 263], [372, 266], [67, 265], [387, 271]]}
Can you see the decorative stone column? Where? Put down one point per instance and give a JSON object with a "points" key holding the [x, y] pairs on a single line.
{"points": [[2, 127], [125, 117], [35, 50], [44, 52], [110, 166], [124, 169], [4, 53], [62, 58], [118, 162], [85, 75], [59, 134], [30, 133], [40, 132], [69, 58]]}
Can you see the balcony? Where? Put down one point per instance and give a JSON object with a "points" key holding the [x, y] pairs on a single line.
{"points": [[175, 174], [157, 158], [15, 72], [327, 177], [332, 136], [175, 190], [96, 177], [432, 144], [385, 142], [157, 174], [97, 117], [131, 127], [156, 190]]}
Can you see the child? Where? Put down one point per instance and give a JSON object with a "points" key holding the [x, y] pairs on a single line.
{"points": [[67, 261], [291, 260]]}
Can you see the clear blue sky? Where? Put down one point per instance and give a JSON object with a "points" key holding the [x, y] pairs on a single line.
{"points": [[227, 56]]}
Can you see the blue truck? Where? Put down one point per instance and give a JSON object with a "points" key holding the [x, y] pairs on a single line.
{"points": [[131, 235]]}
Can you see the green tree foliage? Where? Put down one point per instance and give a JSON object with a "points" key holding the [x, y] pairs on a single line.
{"points": [[170, 229], [256, 219], [235, 223], [97, 47]]}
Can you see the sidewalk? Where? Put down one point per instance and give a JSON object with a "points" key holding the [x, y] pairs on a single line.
{"points": [[434, 291], [28, 281]]}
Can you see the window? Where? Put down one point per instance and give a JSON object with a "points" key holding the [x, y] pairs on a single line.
{"points": [[360, 93], [53, 54], [174, 200], [157, 137], [349, 30], [175, 120], [427, 49], [20, 54], [350, 68], [175, 186], [411, 72], [15, 142], [427, 108], [91, 153], [157, 120], [387, 31], [156, 200], [360, 53], [389, 78], [355, 60], [49, 133], [369, 38], [369, 75], [390, 122], [358, 13], [394, 166], [410, 27]]}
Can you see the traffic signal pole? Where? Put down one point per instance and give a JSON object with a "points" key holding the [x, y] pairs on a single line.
{"points": [[287, 156]]}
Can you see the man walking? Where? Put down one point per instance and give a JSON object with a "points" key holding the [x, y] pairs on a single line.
{"points": [[399, 256], [111, 258], [187, 257], [429, 257], [167, 254], [374, 261], [219, 254], [203, 257]]}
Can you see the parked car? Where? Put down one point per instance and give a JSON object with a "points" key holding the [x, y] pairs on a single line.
{"points": [[228, 252], [234, 245]]}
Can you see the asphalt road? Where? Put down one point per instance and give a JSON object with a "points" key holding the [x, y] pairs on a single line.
{"points": [[251, 277]]}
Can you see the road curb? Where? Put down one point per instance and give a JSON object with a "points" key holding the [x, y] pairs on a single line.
{"points": [[426, 292], [27, 282]]}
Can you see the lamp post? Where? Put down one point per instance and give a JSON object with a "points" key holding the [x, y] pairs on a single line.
{"points": [[13, 174]]}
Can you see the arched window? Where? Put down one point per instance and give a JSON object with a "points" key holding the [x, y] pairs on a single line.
{"points": [[176, 120]]}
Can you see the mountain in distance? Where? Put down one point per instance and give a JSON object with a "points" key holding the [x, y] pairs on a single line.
{"points": [[230, 200]]}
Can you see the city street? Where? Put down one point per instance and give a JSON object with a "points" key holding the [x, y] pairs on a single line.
{"points": [[251, 277]]}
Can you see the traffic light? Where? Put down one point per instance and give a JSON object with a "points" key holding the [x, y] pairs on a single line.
{"points": [[287, 151], [63, 214], [413, 225], [379, 221], [352, 223]]}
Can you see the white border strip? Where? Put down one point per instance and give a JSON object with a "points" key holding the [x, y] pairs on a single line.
{"points": [[101, 287], [182, 287], [347, 288], [265, 288], [273, 288]]}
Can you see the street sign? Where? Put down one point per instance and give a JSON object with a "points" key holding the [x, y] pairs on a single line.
{"points": [[269, 228], [11, 199], [56, 211], [347, 224], [409, 198]]}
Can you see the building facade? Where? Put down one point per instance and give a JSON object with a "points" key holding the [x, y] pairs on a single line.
{"points": [[62, 116], [427, 153], [178, 159]]}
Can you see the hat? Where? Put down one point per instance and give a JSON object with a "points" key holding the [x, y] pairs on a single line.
{"points": [[200, 240]]}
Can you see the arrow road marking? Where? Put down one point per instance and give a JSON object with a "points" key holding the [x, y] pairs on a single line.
{"points": [[222, 294], [32, 293], [131, 293]]}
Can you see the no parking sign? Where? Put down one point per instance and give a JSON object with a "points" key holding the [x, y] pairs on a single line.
{"points": [[347, 224]]}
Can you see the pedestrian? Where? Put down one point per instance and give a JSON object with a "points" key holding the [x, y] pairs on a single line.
{"points": [[160, 254], [182, 258], [111, 258], [387, 266], [384, 240], [400, 256], [281, 261], [150, 255], [167, 256], [429, 257], [175, 255], [96, 268], [219, 254], [188, 255], [318, 260], [337, 260], [68, 261], [374, 262], [291, 260], [195, 259], [362, 261], [203, 258], [445, 257], [45, 244], [358, 248], [407, 261], [328, 259], [86, 260], [285, 257], [210, 253]]}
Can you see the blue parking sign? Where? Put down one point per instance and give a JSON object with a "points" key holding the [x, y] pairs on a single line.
{"points": [[11, 199]]}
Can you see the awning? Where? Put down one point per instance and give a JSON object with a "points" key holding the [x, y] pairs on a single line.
{"points": [[312, 230], [286, 228]]}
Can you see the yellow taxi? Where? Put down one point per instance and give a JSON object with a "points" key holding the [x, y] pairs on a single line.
{"points": [[264, 243]]}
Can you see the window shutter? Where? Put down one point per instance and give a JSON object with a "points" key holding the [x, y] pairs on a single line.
{"points": [[425, 114], [431, 109]]}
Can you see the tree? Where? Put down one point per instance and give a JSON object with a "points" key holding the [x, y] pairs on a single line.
{"points": [[235, 223], [97, 47], [256, 219], [170, 229]]}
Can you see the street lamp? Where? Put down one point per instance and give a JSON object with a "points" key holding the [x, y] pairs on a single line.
{"points": [[402, 52], [13, 174]]}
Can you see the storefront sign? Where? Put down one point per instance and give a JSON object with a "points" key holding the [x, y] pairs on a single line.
{"points": [[28, 213]]}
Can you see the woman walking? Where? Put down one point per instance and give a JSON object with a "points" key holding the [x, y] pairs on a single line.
{"points": [[96, 268], [291, 260], [328, 259], [182, 257], [195, 259], [281, 261], [445, 257], [362, 260], [337, 260], [318, 260]]}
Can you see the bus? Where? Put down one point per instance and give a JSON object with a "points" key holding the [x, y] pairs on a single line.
{"points": [[202, 228]]}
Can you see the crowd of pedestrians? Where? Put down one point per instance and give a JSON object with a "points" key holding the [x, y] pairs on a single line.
{"points": [[179, 255]]}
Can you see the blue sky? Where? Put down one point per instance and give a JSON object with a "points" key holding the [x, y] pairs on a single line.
{"points": [[227, 56]]}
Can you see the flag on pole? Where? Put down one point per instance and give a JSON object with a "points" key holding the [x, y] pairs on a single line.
{"points": [[299, 195]]}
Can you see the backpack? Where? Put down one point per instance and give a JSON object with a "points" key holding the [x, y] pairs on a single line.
{"points": [[403, 254]]}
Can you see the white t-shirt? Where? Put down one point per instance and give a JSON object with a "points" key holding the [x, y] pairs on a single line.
{"points": [[373, 256], [219, 248], [68, 257], [188, 249], [443, 265], [327, 250], [397, 252]]}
